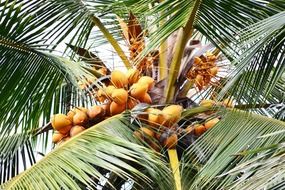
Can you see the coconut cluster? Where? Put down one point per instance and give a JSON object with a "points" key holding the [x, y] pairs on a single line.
{"points": [[199, 129], [75, 121], [162, 126], [126, 91], [203, 70]]}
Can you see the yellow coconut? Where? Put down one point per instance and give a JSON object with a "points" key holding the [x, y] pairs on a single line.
{"points": [[56, 137], [133, 76], [60, 122], [116, 108], [119, 79], [207, 103], [120, 96], [80, 118], [76, 130], [147, 80], [172, 114], [109, 90], [138, 91], [155, 117], [209, 124], [95, 111], [70, 114]]}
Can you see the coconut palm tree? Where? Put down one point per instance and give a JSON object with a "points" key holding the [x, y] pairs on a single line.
{"points": [[49, 65]]}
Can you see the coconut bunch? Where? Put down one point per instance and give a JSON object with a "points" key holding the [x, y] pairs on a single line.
{"points": [[162, 125], [134, 36], [199, 129], [126, 91], [76, 121], [203, 70]]}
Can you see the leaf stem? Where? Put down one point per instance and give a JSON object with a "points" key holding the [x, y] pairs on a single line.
{"points": [[174, 162], [112, 41], [163, 56], [183, 35]]}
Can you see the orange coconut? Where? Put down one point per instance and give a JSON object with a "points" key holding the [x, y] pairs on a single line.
{"points": [[80, 117], [146, 99], [70, 114], [147, 80], [61, 122], [209, 124], [56, 137], [199, 129], [109, 90], [119, 79], [95, 111], [172, 114], [76, 130], [171, 141], [138, 91], [133, 76], [116, 108], [155, 117], [120, 96]]}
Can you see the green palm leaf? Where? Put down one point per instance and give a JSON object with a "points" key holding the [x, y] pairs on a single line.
{"points": [[263, 61], [97, 146], [264, 171], [16, 155]]}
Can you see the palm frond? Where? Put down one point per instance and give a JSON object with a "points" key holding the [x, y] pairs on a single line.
{"points": [[222, 148], [28, 83], [263, 61], [75, 160], [264, 171], [16, 155], [218, 21]]}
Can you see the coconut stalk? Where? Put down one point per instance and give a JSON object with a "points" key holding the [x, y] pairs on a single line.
{"points": [[162, 66], [183, 35], [174, 163], [112, 41]]}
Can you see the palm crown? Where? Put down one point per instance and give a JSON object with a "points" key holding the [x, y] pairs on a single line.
{"points": [[229, 54]]}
